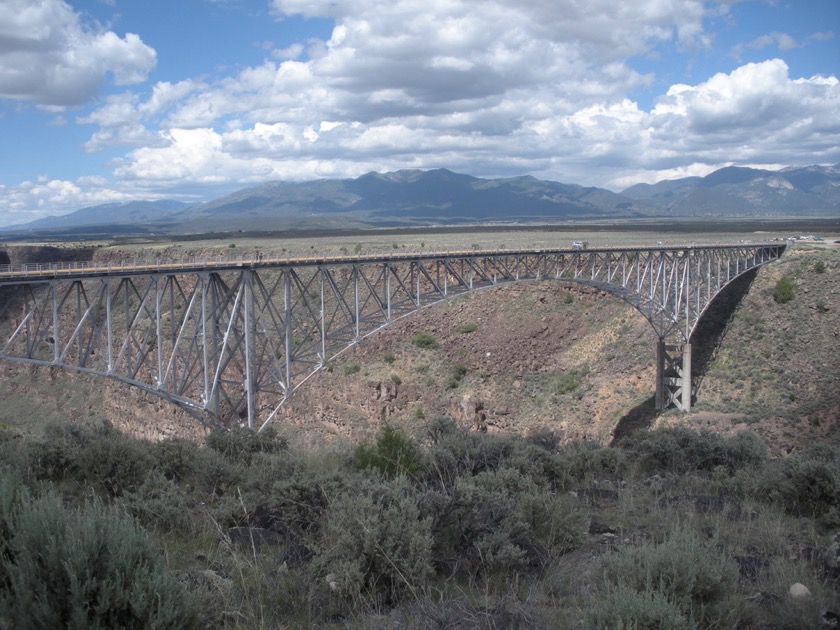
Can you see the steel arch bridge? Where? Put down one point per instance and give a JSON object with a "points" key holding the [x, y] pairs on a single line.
{"points": [[229, 341]]}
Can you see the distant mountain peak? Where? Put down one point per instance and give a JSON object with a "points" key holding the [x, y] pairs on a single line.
{"points": [[416, 197]]}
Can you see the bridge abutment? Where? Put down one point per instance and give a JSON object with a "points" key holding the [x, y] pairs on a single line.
{"points": [[673, 375]]}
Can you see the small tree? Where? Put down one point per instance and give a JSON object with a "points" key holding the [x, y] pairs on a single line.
{"points": [[783, 291]]}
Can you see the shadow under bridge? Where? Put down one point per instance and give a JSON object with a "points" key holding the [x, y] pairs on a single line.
{"points": [[229, 341]]}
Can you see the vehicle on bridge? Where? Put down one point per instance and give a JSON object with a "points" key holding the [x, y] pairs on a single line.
{"points": [[580, 245]]}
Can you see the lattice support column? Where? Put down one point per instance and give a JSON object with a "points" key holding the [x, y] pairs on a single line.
{"points": [[673, 375]]}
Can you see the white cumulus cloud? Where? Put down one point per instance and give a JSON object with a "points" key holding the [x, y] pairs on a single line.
{"points": [[49, 57]]}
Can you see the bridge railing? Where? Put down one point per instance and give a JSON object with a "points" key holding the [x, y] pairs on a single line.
{"points": [[138, 265]]}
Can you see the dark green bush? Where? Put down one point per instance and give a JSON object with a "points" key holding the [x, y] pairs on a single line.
{"points": [[160, 503], [807, 485], [425, 340], [783, 291], [476, 525], [686, 571], [579, 461], [568, 382], [375, 544], [628, 609], [393, 454], [176, 459], [90, 567], [303, 498], [679, 450], [240, 445], [498, 522], [456, 452], [456, 375], [101, 457]]}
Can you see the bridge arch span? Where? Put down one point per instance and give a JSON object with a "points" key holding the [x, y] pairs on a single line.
{"points": [[230, 341]]}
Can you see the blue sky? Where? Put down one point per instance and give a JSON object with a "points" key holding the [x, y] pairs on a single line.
{"points": [[114, 100]]}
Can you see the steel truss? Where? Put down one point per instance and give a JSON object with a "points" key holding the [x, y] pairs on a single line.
{"points": [[230, 341]]}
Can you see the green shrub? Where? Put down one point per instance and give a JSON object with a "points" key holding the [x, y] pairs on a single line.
{"points": [[685, 570], [459, 371], [304, 497], [175, 459], [101, 457], [783, 292], [467, 328], [557, 522], [806, 485], [628, 609], [389, 358], [352, 368], [568, 382], [393, 454], [819, 267], [425, 340], [476, 524], [239, 445], [90, 567], [679, 450], [578, 461], [160, 503], [376, 545]]}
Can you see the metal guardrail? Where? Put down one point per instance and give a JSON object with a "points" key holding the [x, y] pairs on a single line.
{"points": [[82, 268]]}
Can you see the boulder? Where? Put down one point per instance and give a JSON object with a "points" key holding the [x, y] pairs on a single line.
{"points": [[799, 591]]}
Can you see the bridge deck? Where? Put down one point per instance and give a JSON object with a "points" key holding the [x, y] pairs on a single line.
{"points": [[33, 272]]}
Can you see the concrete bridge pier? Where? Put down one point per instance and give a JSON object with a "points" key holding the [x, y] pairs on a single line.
{"points": [[673, 375]]}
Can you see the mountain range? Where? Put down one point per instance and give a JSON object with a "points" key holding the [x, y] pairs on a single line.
{"points": [[410, 198]]}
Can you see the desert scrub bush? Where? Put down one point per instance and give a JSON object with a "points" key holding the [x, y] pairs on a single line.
{"points": [[240, 445], [476, 525], [683, 570], [175, 458], [783, 291], [425, 340], [626, 608], [101, 457], [303, 497], [467, 328], [679, 450], [160, 503], [579, 461], [352, 368], [393, 454], [806, 485], [455, 452], [557, 522], [568, 382], [375, 546], [456, 375], [88, 567], [499, 523]]}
